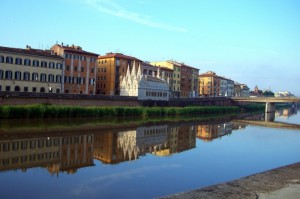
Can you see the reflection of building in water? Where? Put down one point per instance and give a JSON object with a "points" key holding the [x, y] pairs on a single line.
{"points": [[105, 147], [143, 140], [76, 151], [286, 113], [209, 132], [61, 153], [186, 138]]}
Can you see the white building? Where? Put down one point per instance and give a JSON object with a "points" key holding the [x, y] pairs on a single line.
{"points": [[145, 87]]}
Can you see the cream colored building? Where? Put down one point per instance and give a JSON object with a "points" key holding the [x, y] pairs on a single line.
{"points": [[176, 67], [30, 70]]}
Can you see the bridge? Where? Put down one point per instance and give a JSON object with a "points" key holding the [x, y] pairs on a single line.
{"points": [[270, 101], [281, 125]]}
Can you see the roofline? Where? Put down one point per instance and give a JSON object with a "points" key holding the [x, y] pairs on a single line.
{"points": [[23, 51]]}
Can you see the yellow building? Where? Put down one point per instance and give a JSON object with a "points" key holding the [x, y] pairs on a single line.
{"points": [[176, 67], [111, 68], [185, 78], [30, 70]]}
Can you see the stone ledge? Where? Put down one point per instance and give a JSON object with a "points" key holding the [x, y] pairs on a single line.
{"points": [[283, 182]]}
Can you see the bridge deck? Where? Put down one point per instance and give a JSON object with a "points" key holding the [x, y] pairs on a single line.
{"points": [[267, 99], [280, 125]]}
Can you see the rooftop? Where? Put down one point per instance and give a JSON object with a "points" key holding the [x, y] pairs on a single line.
{"points": [[76, 49], [31, 51], [118, 55]]}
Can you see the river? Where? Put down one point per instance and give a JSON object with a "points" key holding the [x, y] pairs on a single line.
{"points": [[128, 159]]}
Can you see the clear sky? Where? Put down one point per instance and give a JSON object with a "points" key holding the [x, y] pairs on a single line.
{"points": [[256, 42]]}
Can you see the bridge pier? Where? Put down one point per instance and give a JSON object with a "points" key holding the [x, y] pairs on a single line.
{"points": [[270, 112]]}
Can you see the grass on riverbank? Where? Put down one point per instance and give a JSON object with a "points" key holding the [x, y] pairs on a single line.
{"points": [[51, 111]]}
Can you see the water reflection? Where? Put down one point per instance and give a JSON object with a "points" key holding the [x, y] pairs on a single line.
{"points": [[67, 152], [54, 153]]}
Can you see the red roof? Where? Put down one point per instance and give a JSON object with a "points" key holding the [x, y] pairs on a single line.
{"points": [[118, 55], [31, 51], [76, 49]]}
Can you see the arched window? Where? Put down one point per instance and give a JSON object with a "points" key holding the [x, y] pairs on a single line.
{"points": [[17, 88], [50, 78], [9, 60], [26, 76], [27, 62], [18, 61], [36, 63], [1, 74], [1, 59], [51, 65], [8, 74], [35, 77], [43, 77], [18, 75], [58, 79], [42, 90], [44, 64], [58, 65]]}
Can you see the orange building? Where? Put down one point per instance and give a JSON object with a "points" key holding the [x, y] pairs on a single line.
{"points": [[209, 84], [111, 68], [79, 69]]}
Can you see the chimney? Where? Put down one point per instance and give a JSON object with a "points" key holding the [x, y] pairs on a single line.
{"points": [[62, 44]]}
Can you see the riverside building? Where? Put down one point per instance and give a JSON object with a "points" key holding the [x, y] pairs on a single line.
{"points": [[30, 70], [111, 68], [185, 78], [79, 69]]}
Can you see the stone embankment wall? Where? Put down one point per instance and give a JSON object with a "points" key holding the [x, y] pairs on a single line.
{"points": [[18, 98]]}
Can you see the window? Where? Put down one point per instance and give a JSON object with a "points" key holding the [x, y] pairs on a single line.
{"points": [[44, 64], [35, 77], [8, 74], [118, 62], [7, 88], [27, 62], [51, 78], [36, 63], [26, 76], [18, 61], [51, 65], [1, 59], [75, 68], [58, 78], [58, 65], [66, 55], [1, 74], [43, 77], [92, 70], [82, 69], [9, 60], [17, 75], [25, 89], [68, 68]]}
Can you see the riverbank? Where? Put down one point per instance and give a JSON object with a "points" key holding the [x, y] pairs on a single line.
{"points": [[283, 182], [52, 111]]}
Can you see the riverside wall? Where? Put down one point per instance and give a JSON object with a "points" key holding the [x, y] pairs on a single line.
{"points": [[19, 98]]}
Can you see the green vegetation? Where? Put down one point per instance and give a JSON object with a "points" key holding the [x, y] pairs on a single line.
{"points": [[51, 111]]}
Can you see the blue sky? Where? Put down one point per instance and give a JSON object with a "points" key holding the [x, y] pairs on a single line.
{"points": [[250, 41]]}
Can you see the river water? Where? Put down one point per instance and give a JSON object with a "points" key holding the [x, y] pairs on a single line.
{"points": [[86, 159]]}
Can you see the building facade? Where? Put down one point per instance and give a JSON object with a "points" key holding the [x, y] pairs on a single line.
{"points": [[30, 70], [79, 69], [145, 87], [241, 90], [111, 68], [185, 80], [212, 85]]}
